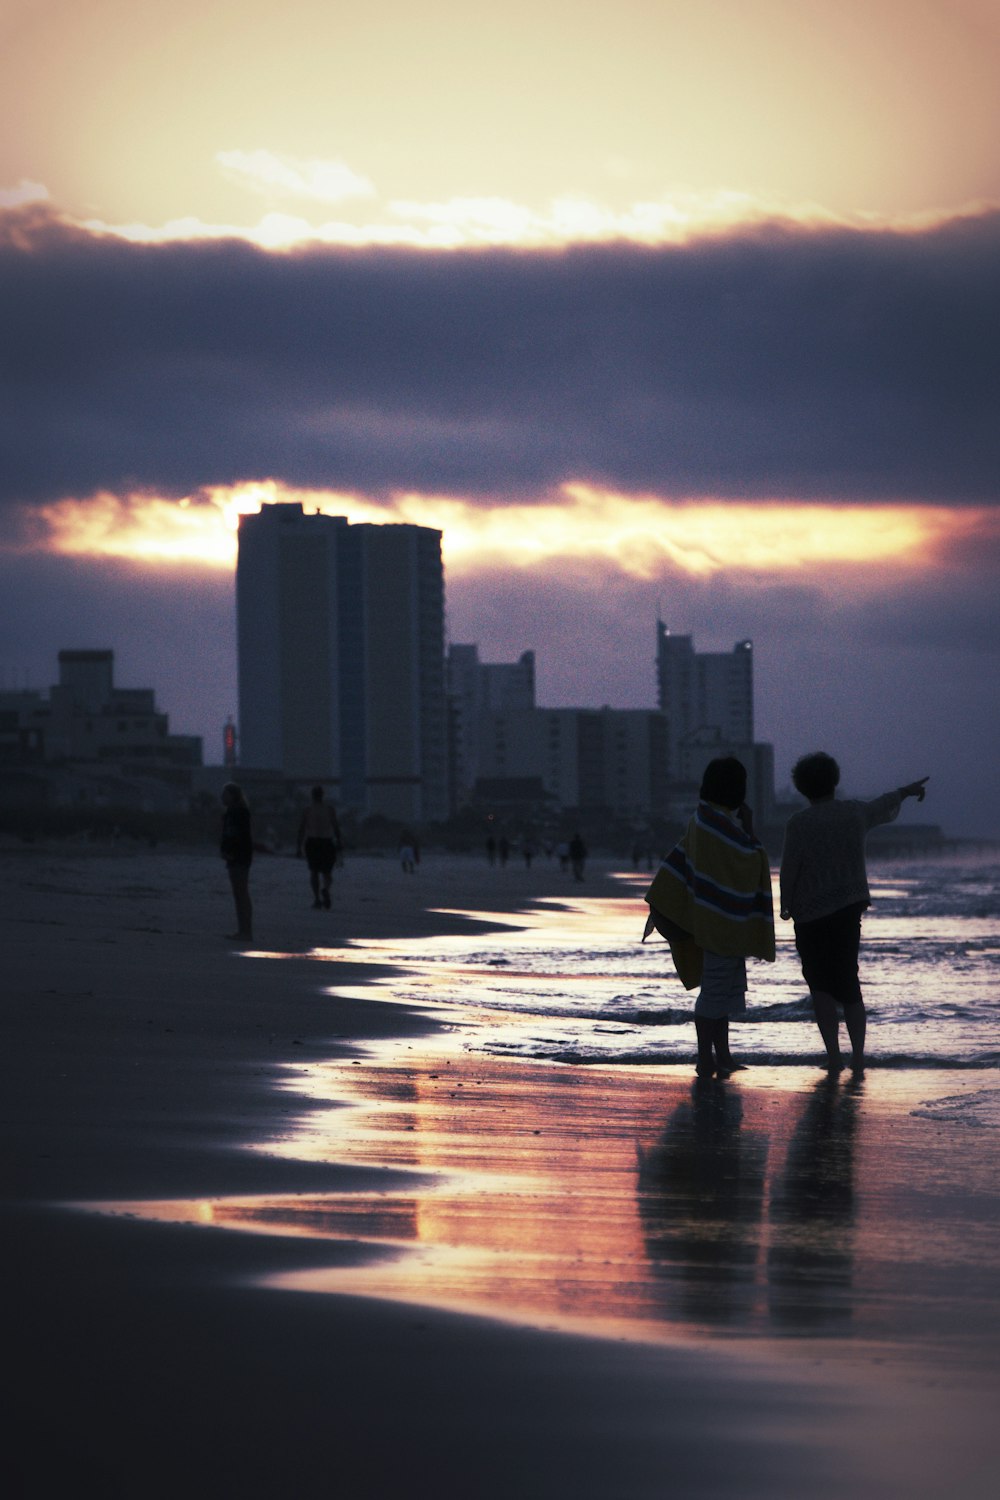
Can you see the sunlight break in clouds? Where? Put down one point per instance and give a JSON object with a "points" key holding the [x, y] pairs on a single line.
{"points": [[643, 536], [287, 176], [480, 223], [26, 192], [674, 217]]}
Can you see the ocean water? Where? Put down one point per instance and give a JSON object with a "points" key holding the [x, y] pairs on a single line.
{"points": [[576, 985]]}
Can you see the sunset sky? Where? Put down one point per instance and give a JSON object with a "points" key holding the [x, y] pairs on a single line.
{"points": [[686, 308]]}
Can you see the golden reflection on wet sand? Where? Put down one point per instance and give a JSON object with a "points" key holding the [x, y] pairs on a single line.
{"points": [[623, 1199], [637, 1202]]}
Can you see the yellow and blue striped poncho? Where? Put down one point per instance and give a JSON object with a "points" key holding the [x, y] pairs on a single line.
{"points": [[713, 891]]}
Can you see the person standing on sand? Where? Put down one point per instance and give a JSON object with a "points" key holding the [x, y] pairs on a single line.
{"points": [[824, 891], [408, 853], [577, 856], [319, 837], [711, 900], [236, 848]]}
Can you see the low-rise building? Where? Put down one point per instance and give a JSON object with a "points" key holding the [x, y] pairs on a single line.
{"points": [[596, 760], [87, 718]]}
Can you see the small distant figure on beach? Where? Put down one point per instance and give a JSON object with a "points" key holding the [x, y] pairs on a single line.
{"points": [[711, 900], [577, 856], [236, 848], [824, 891], [319, 838], [528, 851], [409, 852], [491, 850]]}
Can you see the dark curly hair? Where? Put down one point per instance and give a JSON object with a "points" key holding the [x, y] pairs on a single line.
{"points": [[816, 775]]}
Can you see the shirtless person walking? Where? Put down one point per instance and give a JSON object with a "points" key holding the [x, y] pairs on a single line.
{"points": [[319, 838]]}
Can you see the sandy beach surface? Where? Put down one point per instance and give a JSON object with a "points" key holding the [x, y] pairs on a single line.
{"points": [[272, 1231]]}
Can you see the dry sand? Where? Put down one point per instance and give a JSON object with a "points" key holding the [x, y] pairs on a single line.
{"points": [[143, 1059]]}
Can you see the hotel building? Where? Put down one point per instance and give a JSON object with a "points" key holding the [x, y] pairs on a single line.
{"points": [[340, 633], [477, 689], [706, 698]]}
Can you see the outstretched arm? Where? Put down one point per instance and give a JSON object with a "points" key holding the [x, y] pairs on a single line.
{"points": [[916, 789]]}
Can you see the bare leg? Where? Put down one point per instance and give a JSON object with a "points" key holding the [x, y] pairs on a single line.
{"points": [[857, 1024], [725, 1063], [314, 885], [828, 1021], [239, 879], [720, 1037], [705, 1068]]}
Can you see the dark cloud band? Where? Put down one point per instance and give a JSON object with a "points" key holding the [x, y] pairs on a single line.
{"points": [[816, 364]]}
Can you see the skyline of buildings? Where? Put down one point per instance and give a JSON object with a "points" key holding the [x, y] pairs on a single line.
{"points": [[344, 679], [633, 763]]}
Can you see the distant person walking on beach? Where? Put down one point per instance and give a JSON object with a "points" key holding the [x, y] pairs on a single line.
{"points": [[409, 854], [236, 848], [319, 838], [824, 890], [711, 900], [577, 855]]}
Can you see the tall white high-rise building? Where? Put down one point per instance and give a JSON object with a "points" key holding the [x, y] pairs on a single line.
{"points": [[703, 694], [476, 689], [341, 658], [706, 698]]}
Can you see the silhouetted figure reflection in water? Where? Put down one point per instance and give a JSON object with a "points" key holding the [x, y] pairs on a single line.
{"points": [[700, 1193], [236, 848], [810, 1264]]}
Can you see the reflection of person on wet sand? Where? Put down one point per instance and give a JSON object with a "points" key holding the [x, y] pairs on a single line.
{"points": [[236, 848], [319, 837], [810, 1263], [711, 900], [700, 1202], [824, 889]]}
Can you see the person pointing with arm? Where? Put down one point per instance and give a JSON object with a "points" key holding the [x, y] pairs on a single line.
{"points": [[824, 891]]}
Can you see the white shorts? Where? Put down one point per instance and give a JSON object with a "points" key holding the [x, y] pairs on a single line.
{"points": [[723, 987]]}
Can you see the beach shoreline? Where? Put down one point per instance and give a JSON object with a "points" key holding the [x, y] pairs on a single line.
{"points": [[143, 1057]]}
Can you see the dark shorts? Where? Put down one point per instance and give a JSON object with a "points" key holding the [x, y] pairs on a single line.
{"points": [[321, 855], [828, 949]]}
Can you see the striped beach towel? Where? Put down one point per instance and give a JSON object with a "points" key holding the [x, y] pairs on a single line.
{"points": [[713, 891]]}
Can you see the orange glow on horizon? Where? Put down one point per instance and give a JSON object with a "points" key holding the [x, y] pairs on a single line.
{"points": [[480, 223], [643, 535]]}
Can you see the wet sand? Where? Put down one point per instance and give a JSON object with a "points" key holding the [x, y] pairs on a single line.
{"points": [[483, 1277]]}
